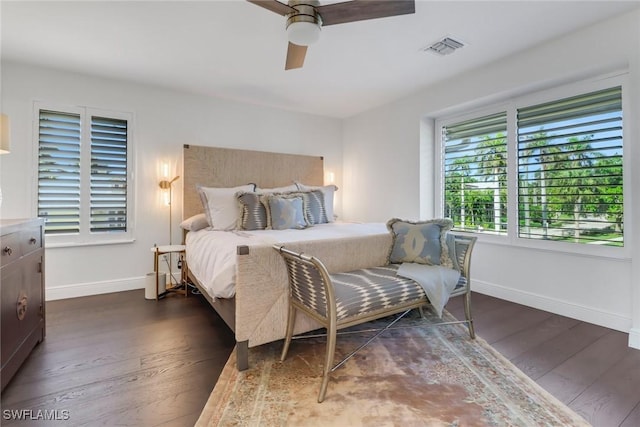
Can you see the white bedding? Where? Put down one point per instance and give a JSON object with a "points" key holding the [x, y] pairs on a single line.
{"points": [[211, 255]]}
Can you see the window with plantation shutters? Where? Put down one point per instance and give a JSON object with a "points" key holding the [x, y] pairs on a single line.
{"points": [[570, 184], [475, 173], [108, 174], [59, 139], [543, 170], [84, 188]]}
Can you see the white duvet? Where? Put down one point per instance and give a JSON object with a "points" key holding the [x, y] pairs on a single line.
{"points": [[211, 255]]}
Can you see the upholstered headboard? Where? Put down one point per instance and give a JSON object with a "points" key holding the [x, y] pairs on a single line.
{"points": [[227, 167]]}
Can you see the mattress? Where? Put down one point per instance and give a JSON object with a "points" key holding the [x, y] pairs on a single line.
{"points": [[211, 254]]}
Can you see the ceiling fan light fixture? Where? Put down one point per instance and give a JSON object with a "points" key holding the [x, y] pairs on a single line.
{"points": [[304, 25], [303, 33], [305, 19]]}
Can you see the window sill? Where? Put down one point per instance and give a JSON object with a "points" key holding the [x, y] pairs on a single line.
{"points": [[57, 245], [621, 254]]}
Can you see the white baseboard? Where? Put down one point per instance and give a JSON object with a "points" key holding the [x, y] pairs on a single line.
{"points": [[96, 288], [93, 288], [634, 338], [563, 308]]}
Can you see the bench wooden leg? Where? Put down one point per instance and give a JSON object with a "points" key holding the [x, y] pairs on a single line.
{"points": [[328, 361], [291, 321], [467, 315], [242, 355], [421, 310]]}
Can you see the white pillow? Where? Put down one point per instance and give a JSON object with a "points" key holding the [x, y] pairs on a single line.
{"points": [[286, 189], [195, 223], [221, 207], [328, 191]]}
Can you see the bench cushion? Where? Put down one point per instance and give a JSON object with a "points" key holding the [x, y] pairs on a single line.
{"points": [[370, 289]]}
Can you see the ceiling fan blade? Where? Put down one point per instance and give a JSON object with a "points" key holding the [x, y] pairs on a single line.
{"points": [[360, 10], [273, 6], [295, 56]]}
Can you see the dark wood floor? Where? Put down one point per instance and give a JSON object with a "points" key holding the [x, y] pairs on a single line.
{"points": [[589, 368], [119, 359]]}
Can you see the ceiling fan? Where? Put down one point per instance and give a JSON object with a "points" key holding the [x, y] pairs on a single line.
{"points": [[306, 17]]}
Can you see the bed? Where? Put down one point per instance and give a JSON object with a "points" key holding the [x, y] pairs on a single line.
{"points": [[253, 296]]}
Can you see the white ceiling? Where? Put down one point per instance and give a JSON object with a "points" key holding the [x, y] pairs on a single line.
{"points": [[236, 50]]}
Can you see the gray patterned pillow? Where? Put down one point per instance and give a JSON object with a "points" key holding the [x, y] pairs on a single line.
{"points": [[422, 242], [286, 212], [328, 192], [253, 215], [315, 209]]}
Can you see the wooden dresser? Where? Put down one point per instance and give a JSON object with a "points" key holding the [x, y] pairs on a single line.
{"points": [[21, 291]]}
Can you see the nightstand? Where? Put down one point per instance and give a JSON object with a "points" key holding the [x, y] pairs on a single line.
{"points": [[158, 251]]}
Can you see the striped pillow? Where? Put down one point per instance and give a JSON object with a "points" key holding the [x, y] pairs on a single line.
{"points": [[328, 192], [315, 210], [253, 215]]}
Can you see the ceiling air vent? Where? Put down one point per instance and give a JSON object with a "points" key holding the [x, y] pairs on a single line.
{"points": [[445, 46]]}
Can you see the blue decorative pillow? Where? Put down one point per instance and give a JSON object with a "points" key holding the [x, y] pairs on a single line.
{"points": [[286, 212], [422, 242]]}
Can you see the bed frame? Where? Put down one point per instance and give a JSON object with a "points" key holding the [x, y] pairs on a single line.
{"points": [[257, 314], [227, 167]]}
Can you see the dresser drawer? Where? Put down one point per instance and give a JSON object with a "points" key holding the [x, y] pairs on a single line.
{"points": [[31, 240], [10, 247]]}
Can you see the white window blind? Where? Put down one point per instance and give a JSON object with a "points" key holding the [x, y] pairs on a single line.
{"points": [[59, 171], [570, 164], [475, 173], [84, 175], [108, 174]]}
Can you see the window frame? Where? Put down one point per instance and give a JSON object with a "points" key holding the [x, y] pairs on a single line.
{"points": [[512, 105], [86, 237]]}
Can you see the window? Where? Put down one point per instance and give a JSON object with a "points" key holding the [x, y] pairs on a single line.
{"points": [[475, 173], [539, 171], [59, 171], [570, 169], [84, 188]]}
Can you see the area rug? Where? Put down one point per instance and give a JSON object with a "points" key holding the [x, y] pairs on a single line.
{"points": [[413, 376]]}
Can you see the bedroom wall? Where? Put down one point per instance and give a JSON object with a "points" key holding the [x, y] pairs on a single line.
{"points": [[164, 120], [389, 152]]}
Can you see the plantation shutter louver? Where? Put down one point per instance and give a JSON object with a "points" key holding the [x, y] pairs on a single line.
{"points": [[570, 166], [475, 173], [59, 171], [108, 197]]}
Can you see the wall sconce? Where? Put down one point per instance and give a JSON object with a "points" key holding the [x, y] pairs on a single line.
{"points": [[167, 185], [5, 134], [329, 178], [5, 139]]}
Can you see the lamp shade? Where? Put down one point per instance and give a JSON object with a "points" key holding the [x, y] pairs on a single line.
{"points": [[5, 133], [303, 33]]}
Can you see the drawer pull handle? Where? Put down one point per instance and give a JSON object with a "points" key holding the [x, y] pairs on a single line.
{"points": [[21, 306], [32, 241], [7, 250]]}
